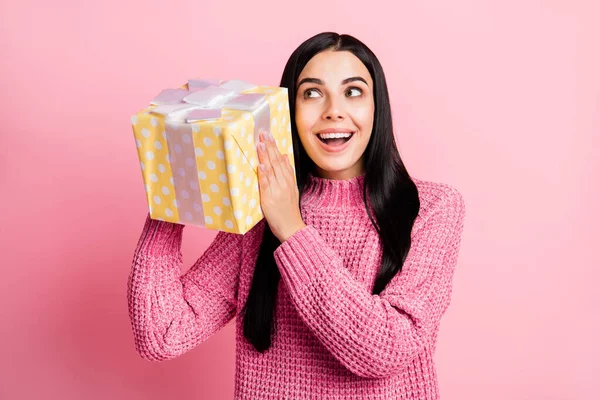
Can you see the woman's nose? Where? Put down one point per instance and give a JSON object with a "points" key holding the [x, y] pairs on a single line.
{"points": [[334, 111]]}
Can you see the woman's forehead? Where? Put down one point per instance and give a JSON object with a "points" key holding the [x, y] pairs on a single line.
{"points": [[333, 67]]}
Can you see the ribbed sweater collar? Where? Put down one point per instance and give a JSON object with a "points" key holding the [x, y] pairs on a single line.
{"points": [[333, 193]]}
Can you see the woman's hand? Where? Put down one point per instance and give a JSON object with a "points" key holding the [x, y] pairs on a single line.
{"points": [[279, 198]]}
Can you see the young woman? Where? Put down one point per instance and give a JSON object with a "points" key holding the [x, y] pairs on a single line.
{"points": [[340, 289]]}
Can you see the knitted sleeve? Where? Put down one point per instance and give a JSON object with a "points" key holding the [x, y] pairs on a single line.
{"points": [[375, 336], [171, 313]]}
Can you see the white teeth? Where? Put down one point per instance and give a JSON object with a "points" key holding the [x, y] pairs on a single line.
{"points": [[334, 135]]}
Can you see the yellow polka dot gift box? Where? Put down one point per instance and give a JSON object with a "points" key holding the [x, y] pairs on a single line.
{"points": [[196, 146]]}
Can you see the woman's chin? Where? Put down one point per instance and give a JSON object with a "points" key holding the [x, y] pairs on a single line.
{"points": [[336, 170]]}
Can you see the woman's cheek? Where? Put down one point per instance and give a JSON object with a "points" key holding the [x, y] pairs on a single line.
{"points": [[364, 115], [305, 119]]}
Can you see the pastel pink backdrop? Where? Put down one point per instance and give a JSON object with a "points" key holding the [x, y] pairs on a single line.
{"points": [[497, 98]]}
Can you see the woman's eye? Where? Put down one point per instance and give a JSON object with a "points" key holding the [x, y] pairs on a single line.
{"points": [[356, 90], [308, 91]]}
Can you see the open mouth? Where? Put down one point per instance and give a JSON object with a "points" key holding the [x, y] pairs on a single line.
{"points": [[335, 139]]}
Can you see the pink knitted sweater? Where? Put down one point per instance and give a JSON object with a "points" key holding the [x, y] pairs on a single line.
{"points": [[333, 339]]}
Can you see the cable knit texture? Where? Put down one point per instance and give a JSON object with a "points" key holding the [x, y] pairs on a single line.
{"points": [[333, 339]]}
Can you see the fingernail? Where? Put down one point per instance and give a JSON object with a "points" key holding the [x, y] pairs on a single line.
{"points": [[261, 167], [262, 146]]}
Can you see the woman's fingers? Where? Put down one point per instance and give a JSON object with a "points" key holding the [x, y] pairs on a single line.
{"points": [[265, 170], [272, 152], [289, 170], [276, 168], [277, 162]]}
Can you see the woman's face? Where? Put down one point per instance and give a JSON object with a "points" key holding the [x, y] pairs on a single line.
{"points": [[334, 113]]}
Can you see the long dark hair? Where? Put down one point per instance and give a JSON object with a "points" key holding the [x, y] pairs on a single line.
{"points": [[392, 194]]}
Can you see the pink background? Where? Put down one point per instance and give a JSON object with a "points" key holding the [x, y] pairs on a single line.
{"points": [[497, 98]]}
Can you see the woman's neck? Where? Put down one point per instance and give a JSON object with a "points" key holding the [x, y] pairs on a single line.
{"points": [[328, 193]]}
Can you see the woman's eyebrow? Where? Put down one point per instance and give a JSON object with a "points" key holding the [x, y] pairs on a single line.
{"points": [[310, 80], [320, 82], [354, 78]]}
